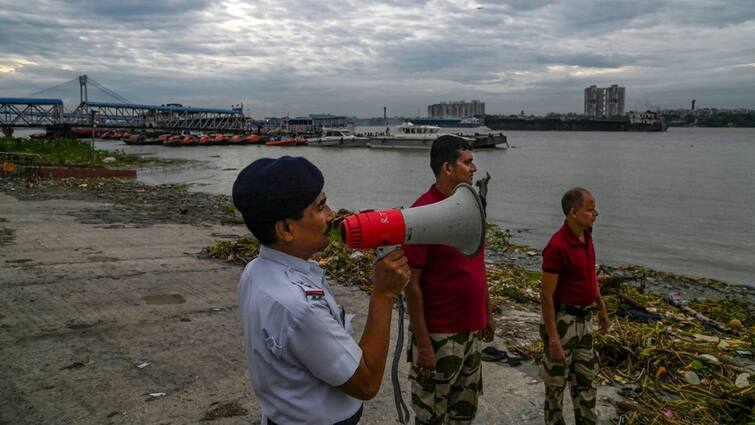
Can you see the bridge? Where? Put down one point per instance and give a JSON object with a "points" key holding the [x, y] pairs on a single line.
{"points": [[119, 114]]}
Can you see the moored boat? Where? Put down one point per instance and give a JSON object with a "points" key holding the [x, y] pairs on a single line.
{"points": [[337, 137], [174, 140], [252, 139], [410, 136], [406, 136], [189, 140], [287, 141]]}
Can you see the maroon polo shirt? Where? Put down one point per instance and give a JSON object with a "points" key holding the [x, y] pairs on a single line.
{"points": [[454, 287], [574, 263]]}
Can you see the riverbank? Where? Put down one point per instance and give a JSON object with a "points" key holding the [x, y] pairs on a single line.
{"points": [[127, 265], [72, 153], [111, 312]]}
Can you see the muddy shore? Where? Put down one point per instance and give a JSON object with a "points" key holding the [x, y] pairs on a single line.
{"points": [[80, 310]]}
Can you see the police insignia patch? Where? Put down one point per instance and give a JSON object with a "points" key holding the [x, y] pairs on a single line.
{"points": [[314, 294]]}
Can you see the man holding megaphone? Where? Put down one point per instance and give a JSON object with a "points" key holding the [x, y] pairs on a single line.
{"points": [[304, 365], [449, 306]]}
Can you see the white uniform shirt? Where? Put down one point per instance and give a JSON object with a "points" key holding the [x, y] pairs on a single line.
{"points": [[298, 344]]}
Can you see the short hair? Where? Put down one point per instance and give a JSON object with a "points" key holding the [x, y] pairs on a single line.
{"points": [[448, 149], [573, 198], [264, 231]]}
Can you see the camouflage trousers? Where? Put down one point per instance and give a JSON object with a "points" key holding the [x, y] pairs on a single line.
{"points": [[450, 395], [579, 369]]}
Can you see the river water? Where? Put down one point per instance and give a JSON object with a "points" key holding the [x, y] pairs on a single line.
{"points": [[681, 201]]}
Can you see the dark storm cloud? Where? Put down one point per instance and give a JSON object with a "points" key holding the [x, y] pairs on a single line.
{"points": [[307, 56], [166, 10]]}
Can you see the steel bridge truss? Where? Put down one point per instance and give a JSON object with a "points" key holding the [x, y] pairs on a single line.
{"points": [[122, 115], [30, 112]]}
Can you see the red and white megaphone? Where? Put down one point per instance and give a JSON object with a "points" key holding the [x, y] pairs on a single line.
{"points": [[458, 221]]}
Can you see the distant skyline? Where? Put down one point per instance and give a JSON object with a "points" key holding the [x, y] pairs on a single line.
{"points": [[354, 57]]}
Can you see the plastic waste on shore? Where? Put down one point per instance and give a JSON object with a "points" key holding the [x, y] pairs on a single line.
{"points": [[691, 378], [743, 380]]}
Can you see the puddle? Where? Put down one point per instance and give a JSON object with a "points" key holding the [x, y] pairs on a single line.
{"points": [[163, 299]]}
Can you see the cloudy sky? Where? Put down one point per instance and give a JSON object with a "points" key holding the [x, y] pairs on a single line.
{"points": [[354, 57]]}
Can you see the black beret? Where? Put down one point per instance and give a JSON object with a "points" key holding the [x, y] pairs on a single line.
{"points": [[271, 189]]}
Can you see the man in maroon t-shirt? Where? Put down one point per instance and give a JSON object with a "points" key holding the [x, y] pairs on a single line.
{"points": [[569, 289], [449, 307]]}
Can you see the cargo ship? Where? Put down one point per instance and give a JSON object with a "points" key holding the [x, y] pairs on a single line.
{"points": [[645, 121]]}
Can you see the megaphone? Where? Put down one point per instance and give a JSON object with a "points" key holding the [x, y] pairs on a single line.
{"points": [[458, 221]]}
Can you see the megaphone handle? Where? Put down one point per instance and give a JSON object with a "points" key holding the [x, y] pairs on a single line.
{"points": [[382, 251]]}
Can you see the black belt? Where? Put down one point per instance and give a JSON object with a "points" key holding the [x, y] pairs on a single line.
{"points": [[575, 310], [353, 420]]}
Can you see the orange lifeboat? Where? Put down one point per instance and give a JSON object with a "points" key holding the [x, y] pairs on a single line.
{"points": [[252, 139], [205, 140], [189, 140], [82, 132], [236, 139], [163, 137], [174, 140], [221, 139], [283, 141]]}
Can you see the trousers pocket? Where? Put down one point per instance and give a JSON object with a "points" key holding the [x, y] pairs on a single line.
{"points": [[552, 373]]}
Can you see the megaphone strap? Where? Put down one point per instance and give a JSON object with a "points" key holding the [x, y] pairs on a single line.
{"points": [[401, 409]]}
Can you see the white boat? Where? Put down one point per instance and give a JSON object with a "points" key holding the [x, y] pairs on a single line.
{"points": [[337, 137], [470, 121], [410, 136], [406, 136]]}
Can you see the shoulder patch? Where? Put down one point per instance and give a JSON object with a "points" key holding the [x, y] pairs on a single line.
{"points": [[314, 294], [311, 292]]}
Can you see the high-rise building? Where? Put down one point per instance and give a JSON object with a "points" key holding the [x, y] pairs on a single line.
{"points": [[456, 109], [604, 102]]}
